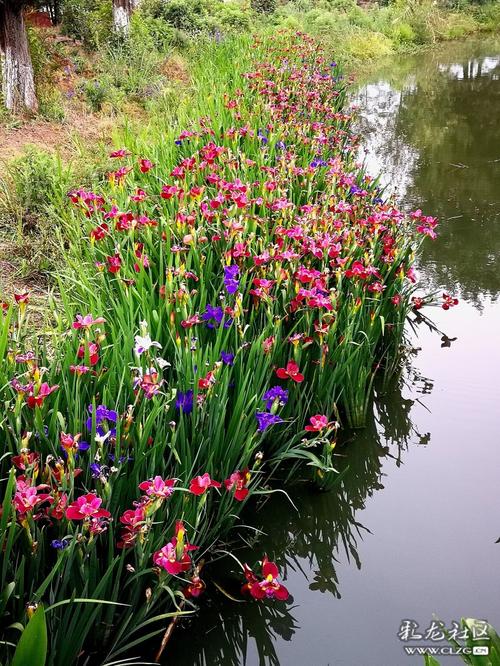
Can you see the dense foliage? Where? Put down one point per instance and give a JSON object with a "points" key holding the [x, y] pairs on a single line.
{"points": [[226, 297]]}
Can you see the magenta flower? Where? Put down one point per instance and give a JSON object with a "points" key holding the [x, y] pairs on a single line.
{"points": [[43, 392], [158, 488], [86, 506], [200, 484], [174, 557], [318, 423], [87, 321], [26, 497], [269, 587], [239, 482]]}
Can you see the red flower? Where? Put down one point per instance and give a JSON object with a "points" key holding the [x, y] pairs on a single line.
{"points": [[449, 302], [200, 484], [99, 232], [145, 165], [191, 321], [26, 459], [86, 506], [173, 557], [139, 195], [87, 321], [318, 423], [195, 588], [238, 480], [22, 299], [158, 488], [207, 381], [133, 519], [43, 392], [114, 263], [122, 152], [59, 508], [93, 348], [269, 587], [290, 372]]}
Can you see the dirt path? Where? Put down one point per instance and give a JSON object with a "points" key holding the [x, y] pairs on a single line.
{"points": [[54, 136]]}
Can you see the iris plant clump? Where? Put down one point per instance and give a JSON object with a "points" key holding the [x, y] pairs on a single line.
{"points": [[228, 297]]}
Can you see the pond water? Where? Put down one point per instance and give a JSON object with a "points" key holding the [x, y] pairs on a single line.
{"points": [[410, 532]]}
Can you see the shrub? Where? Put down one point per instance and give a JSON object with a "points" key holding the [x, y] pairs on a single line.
{"points": [[403, 33], [457, 26], [51, 105], [264, 6], [90, 21], [32, 187], [368, 45], [234, 17], [95, 94]]}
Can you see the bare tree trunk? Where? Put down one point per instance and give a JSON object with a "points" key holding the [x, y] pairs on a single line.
{"points": [[122, 11], [18, 84]]}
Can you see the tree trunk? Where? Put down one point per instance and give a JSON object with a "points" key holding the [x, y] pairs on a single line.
{"points": [[122, 11], [18, 83]]}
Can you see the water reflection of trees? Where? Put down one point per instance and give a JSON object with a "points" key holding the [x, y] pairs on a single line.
{"points": [[318, 539], [434, 125]]}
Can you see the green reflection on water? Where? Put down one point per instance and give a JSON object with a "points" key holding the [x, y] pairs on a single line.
{"points": [[432, 126]]}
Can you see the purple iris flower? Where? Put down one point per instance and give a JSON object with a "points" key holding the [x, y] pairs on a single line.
{"points": [[184, 401], [275, 393], [95, 469], [103, 417], [213, 315], [230, 278], [60, 544], [227, 358], [265, 419], [121, 459]]}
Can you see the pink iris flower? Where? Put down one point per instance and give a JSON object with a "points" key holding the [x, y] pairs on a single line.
{"points": [[86, 506], [290, 372], [200, 484], [239, 481], [269, 587], [158, 488], [174, 556], [318, 423], [87, 321]]}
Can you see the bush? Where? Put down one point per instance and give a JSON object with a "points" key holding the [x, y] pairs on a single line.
{"points": [[51, 105], [32, 188], [264, 6], [458, 26], [234, 17], [367, 46], [90, 21], [95, 94], [403, 33]]}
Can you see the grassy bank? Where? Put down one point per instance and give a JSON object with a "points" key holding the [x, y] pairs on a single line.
{"points": [[229, 283]]}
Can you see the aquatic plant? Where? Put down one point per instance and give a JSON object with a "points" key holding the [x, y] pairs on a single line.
{"points": [[244, 282]]}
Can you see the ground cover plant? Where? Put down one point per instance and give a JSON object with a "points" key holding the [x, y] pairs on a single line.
{"points": [[226, 296]]}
